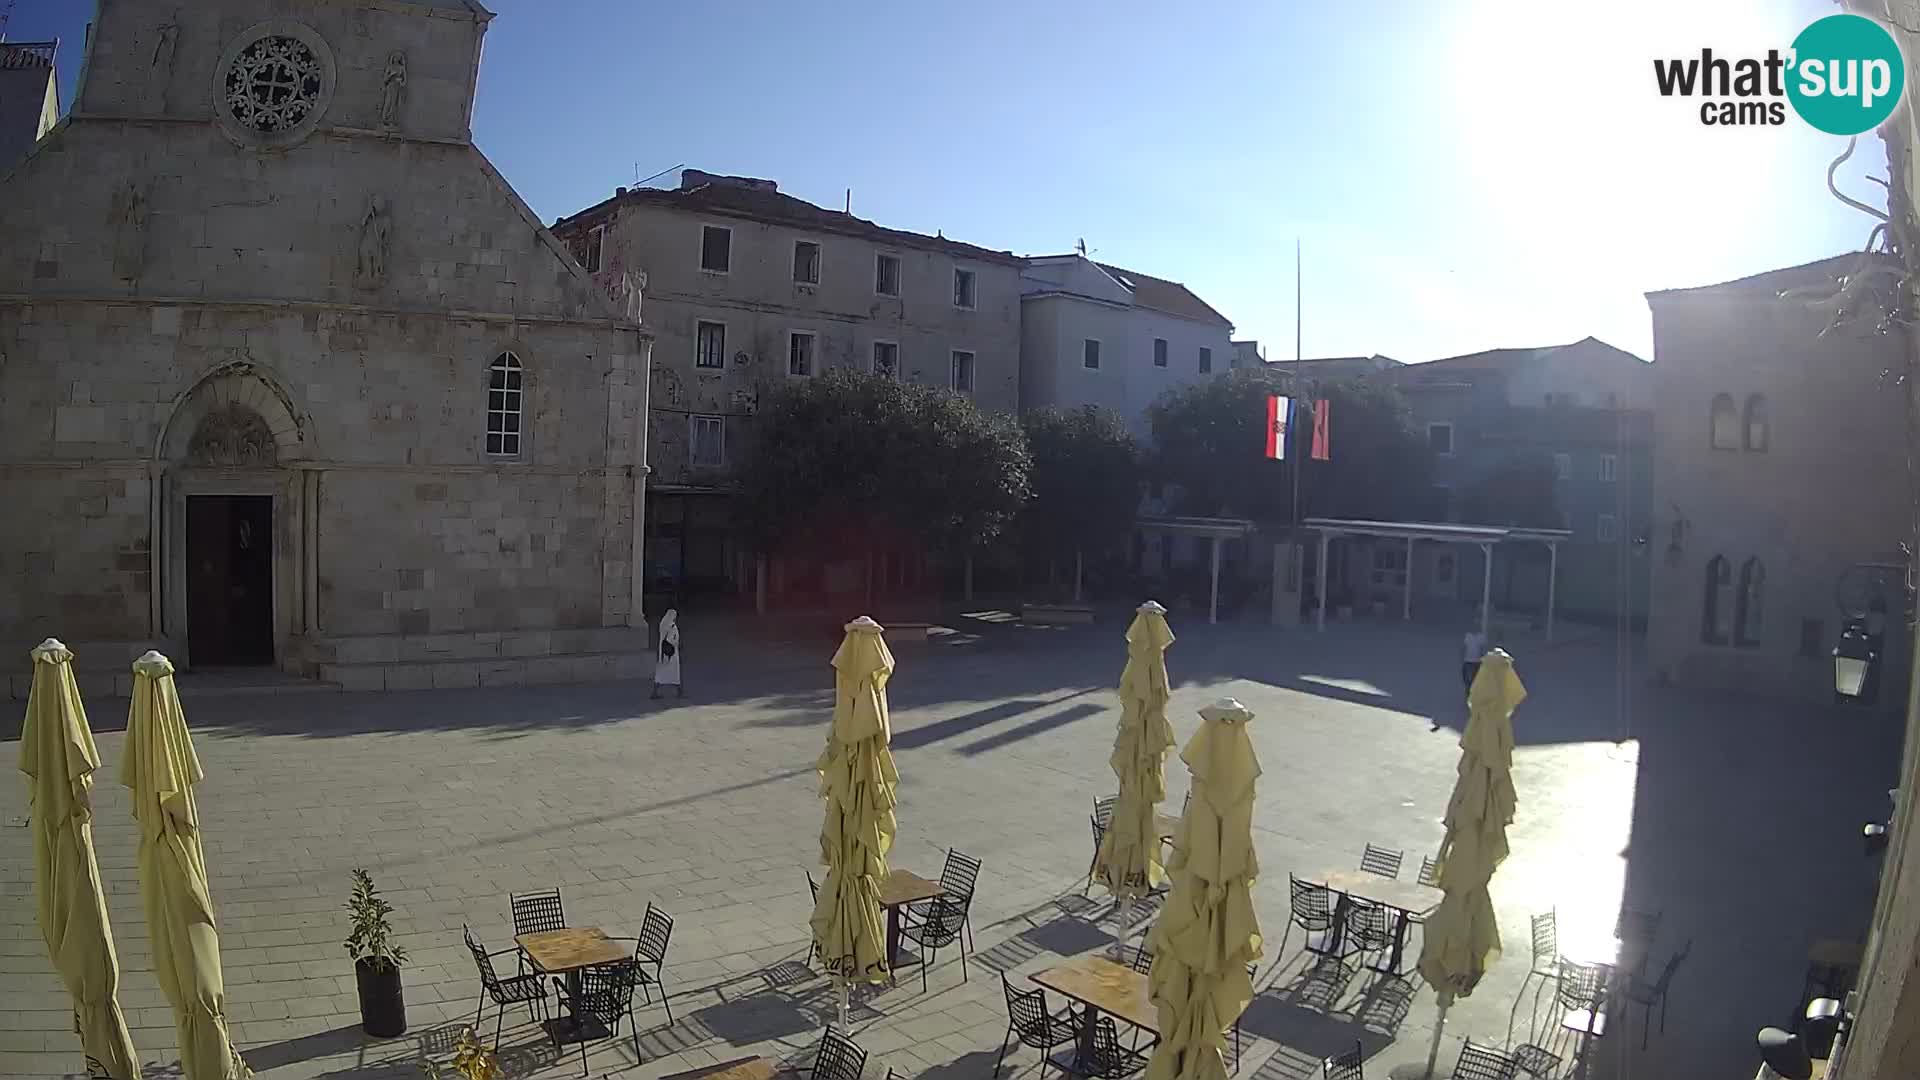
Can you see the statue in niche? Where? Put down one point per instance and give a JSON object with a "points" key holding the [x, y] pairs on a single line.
{"points": [[393, 89], [128, 216], [376, 228], [166, 41], [232, 435]]}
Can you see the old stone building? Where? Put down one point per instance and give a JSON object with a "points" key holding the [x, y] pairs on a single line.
{"points": [[1780, 487], [747, 288], [289, 375]]}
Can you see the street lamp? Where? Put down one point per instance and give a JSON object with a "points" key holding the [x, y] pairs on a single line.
{"points": [[1853, 660]]}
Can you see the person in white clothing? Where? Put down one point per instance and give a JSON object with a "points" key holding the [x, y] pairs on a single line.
{"points": [[1472, 648], [666, 657]]}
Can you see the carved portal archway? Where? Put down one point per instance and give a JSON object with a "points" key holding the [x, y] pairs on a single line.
{"points": [[233, 436]]}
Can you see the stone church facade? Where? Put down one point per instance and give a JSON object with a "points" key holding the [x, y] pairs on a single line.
{"points": [[290, 376]]}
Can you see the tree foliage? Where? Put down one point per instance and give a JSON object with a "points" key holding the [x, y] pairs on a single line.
{"points": [[1085, 482], [1210, 444], [1518, 492], [849, 460]]}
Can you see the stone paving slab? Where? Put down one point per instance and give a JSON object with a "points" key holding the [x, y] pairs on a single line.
{"points": [[708, 808]]}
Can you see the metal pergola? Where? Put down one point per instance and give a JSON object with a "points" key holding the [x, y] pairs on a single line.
{"points": [[1216, 529], [1484, 536]]}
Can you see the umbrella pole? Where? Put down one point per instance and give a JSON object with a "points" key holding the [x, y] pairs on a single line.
{"points": [[841, 993], [1439, 1028], [1123, 914]]}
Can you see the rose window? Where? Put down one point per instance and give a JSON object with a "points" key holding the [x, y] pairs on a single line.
{"points": [[273, 85]]}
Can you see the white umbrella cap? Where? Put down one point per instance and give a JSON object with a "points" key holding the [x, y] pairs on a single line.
{"points": [[51, 651], [1151, 607], [1227, 710], [864, 624], [153, 663]]}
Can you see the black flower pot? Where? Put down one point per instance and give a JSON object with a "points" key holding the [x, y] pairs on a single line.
{"points": [[383, 1008]]}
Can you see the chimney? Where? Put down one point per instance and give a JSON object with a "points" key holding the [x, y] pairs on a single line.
{"points": [[620, 192]]}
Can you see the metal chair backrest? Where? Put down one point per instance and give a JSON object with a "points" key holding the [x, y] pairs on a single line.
{"points": [[537, 911], [839, 1058], [1345, 1066], [1546, 938], [1483, 1063], [1382, 861], [608, 988], [1429, 872], [813, 887], [959, 875], [1108, 1059], [481, 960], [1580, 985], [1027, 1011], [1103, 813], [1312, 903], [1142, 961], [655, 931], [1665, 981], [1637, 926]]}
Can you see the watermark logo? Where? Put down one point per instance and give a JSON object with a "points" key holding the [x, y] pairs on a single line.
{"points": [[1844, 75]]}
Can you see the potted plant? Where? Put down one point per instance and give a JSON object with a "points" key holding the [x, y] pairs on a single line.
{"points": [[376, 960]]}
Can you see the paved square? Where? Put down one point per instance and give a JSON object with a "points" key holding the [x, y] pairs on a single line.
{"points": [[1736, 819]]}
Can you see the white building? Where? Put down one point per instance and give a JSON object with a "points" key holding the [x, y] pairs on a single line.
{"points": [[1094, 334]]}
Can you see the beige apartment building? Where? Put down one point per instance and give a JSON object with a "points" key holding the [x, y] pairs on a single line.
{"points": [[748, 288]]}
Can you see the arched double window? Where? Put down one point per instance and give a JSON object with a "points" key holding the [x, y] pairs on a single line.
{"points": [[1716, 609], [1747, 604], [1726, 423], [1754, 430], [504, 413]]}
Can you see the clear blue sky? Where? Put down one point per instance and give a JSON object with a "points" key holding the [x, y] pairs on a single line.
{"points": [[1463, 174]]}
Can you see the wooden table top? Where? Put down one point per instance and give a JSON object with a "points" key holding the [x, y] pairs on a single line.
{"points": [[1409, 896], [571, 949], [906, 887], [752, 1068], [1112, 988]]}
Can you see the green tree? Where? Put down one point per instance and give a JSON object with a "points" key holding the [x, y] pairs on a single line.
{"points": [[1085, 484], [1520, 491], [851, 461], [1210, 444]]}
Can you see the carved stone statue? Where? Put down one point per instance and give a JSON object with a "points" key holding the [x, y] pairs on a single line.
{"points": [[232, 435], [393, 90], [166, 40], [376, 228], [128, 216]]}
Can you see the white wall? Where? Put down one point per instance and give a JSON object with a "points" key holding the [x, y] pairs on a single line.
{"points": [[1052, 355]]}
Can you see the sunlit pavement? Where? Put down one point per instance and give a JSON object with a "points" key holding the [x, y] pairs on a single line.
{"points": [[1743, 831]]}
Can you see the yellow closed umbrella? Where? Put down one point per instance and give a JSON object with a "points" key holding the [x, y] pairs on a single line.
{"points": [[161, 769], [1128, 862], [1462, 934], [1208, 934], [857, 779], [59, 758]]}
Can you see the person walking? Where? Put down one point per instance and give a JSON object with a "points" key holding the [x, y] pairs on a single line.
{"points": [[1472, 647], [666, 660]]}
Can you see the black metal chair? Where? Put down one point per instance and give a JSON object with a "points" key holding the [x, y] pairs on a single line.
{"points": [[1344, 1066], [606, 995], [1483, 1063], [1536, 1061], [839, 1058], [941, 922], [534, 912], [1142, 962], [650, 950], [813, 890], [1311, 907], [1369, 926], [1029, 1019], [1636, 928], [1546, 966], [1429, 873], [516, 990], [1102, 818], [1382, 861], [1103, 1058], [1581, 990], [1649, 994]]}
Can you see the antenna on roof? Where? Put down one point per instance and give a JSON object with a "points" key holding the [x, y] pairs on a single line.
{"points": [[6, 14], [642, 183], [849, 209]]}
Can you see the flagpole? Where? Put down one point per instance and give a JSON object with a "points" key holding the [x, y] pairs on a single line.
{"points": [[1293, 530]]}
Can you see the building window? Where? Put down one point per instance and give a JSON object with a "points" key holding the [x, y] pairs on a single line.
{"points": [[886, 359], [1440, 439], [886, 274], [716, 249], [1606, 529], [503, 405], [1159, 352], [1206, 360], [1747, 625], [709, 344], [962, 288], [1813, 638], [1608, 466], [1090, 354], [1444, 568], [1726, 423], [963, 371], [707, 441], [1756, 422], [806, 262], [800, 353], [1716, 614], [589, 248], [1389, 566], [1563, 467]]}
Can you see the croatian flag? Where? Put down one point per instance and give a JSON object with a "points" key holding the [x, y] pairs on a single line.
{"points": [[1279, 424]]}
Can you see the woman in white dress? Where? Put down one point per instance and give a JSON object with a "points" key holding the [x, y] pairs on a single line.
{"points": [[666, 657]]}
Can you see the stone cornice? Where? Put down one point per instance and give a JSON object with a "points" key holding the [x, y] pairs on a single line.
{"points": [[270, 304]]}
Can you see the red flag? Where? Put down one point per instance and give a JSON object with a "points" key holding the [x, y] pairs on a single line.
{"points": [[1322, 450], [1279, 416]]}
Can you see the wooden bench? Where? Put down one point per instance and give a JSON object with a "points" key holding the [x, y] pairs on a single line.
{"points": [[904, 632], [1056, 614]]}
